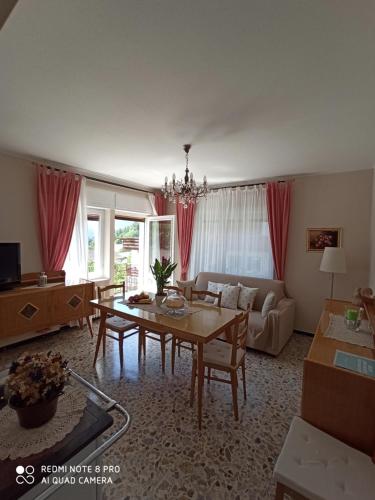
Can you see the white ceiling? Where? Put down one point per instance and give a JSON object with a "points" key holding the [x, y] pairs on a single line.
{"points": [[262, 88]]}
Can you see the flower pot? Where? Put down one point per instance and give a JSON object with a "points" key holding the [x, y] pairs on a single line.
{"points": [[38, 414], [159, 298]]}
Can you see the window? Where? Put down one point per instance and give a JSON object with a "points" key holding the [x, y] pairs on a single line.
{"points": [[129, 252], [95, 236], [231, 234]]}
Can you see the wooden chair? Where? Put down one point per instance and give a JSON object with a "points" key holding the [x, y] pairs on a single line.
{"points": [[118, 325], [163, 338], [227, 357], [182, 344]]}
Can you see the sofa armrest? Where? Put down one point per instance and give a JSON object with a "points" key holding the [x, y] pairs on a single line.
{"points": [[281, 323], [187, 287], [186, 283], [285, 303]]}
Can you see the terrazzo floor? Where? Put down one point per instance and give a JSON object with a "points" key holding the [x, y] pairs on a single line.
{"points": [[164, 455]]}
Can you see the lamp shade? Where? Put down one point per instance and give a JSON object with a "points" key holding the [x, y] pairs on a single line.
{"points": [[333, 260]]}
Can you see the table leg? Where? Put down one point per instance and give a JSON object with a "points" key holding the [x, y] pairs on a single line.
{"points": [[200, 381], [89, 325], [103, 318], [141, 333]]}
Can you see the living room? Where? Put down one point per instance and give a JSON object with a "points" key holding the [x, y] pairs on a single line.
{"points": [[275, 103]]}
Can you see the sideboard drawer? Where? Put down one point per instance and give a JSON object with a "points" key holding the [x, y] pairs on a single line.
{"points": [[24, 312]]}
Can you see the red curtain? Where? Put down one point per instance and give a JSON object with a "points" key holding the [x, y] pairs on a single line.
{"points": [[185, 223], [160, 204], [58, 195], [278, 206]]}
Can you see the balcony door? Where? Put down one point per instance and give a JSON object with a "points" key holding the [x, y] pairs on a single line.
{"points": [[159, 244]]}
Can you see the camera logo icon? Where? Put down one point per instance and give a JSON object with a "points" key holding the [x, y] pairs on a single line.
{"points": [[25, 474]]}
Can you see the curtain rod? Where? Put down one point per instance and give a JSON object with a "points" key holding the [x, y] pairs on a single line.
{"points": [[117, 184], [251, 184], [111, 183]]}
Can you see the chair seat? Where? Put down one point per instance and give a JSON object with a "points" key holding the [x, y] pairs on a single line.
{"points": [[220, 353], [318, 466], [119, 325]]}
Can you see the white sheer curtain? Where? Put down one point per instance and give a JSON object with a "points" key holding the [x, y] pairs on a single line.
{"points": [[151, 199], [76, 261], [231, 233]]}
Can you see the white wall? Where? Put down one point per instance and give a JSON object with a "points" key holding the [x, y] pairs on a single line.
{"points": [[338, 200], [18, 210], [372, 236]]}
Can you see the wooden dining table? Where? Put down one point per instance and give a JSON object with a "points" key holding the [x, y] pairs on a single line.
{"points": [[203, 323]]}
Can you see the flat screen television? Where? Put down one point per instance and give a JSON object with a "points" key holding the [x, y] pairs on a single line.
{"points": [[10, 265]]}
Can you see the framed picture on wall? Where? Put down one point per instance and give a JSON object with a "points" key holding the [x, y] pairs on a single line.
{"points": [[319, 238]]}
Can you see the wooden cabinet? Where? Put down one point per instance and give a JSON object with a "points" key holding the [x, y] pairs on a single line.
{"points": [[337, 401], [27, 310], [69, 302]]}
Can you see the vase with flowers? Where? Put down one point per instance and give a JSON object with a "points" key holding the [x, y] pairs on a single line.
{"points": [[33, 386], [162, 271]]}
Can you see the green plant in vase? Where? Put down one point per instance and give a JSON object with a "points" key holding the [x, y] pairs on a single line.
{"points": [[162, 271]]}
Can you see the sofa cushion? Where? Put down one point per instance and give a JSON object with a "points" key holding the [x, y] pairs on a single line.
{"points": [[229, 296], [268, 304], [247, 296], [264, 285], [213, 287], [220, 353]]}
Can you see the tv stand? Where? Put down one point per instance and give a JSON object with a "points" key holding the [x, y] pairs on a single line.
{"points": [[29, 310], [6, 288]]}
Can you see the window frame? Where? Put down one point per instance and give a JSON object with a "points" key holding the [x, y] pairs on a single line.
{"points": [[99, 215]]}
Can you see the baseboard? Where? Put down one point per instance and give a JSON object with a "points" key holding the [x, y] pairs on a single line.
{"points": [[301, 332]]}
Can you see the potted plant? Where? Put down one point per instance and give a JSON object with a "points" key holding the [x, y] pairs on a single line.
{"points": [[162, 271], [33, 385]]}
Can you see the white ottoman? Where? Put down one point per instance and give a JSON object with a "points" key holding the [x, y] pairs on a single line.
{"points": [[317, 466]]}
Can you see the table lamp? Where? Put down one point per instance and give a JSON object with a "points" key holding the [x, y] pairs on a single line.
{"points": [[333, 261]]}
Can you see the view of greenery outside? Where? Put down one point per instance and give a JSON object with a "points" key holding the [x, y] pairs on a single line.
{"points": [[92, 233], [126, 229], [91, 266], [124, 259], [119, 273]]}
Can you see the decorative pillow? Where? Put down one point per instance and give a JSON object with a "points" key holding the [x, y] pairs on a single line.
{"points": [[187, 287], [212, 287], [229, 296], [269, 303], [246, 297]]}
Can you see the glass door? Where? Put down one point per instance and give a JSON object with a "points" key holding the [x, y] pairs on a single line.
{"points": [[129, 253], [159, 244]]}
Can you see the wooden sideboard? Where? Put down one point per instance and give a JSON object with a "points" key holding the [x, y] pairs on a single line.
{"points": [[29, 310], [338, 401]]}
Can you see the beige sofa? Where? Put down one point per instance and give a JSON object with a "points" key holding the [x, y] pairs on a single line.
{"points": [[268, 334]]}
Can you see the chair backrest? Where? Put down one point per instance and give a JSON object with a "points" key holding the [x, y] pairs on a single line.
{"points": [[113, 287], [199, 293], [239, 333]]}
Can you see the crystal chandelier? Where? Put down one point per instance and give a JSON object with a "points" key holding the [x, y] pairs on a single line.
{"points": [[186, 190]]}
